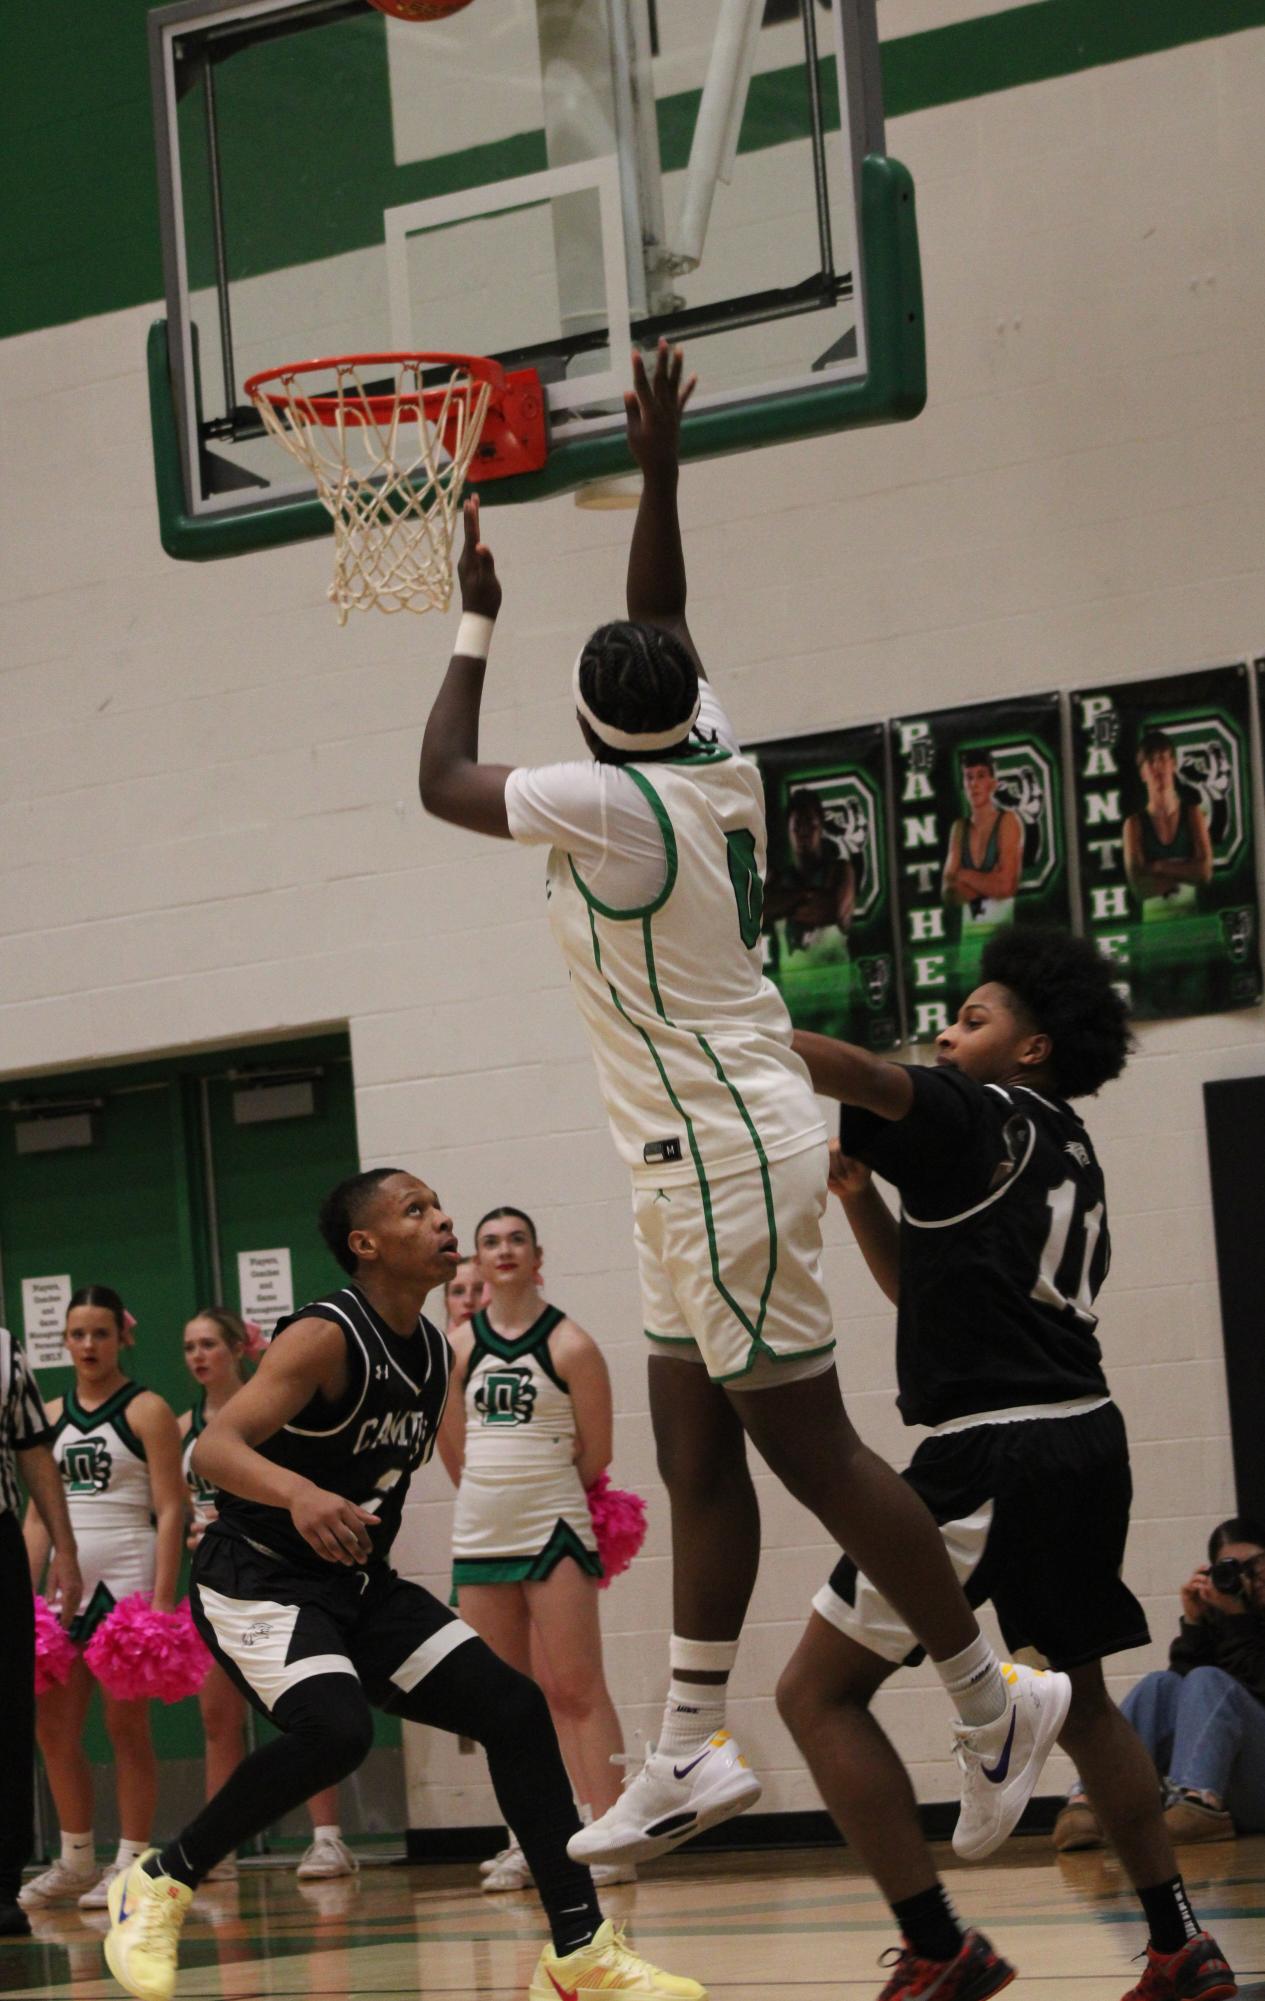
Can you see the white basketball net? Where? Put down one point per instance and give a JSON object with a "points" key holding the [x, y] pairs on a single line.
{"points": [[392, 481]]}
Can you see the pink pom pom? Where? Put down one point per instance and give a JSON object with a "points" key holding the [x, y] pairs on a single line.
{"points": [[619, 1524], [138, 1654], [54, 1649]]}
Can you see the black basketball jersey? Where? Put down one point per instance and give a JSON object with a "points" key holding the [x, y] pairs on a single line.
{"points": [[367, 1446], [1003, 1246]]}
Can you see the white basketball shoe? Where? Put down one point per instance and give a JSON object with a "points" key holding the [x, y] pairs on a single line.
{"points": [[673, 1796], [1001, 1762]]}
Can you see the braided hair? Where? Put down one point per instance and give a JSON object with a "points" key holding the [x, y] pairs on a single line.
{"points": [[637, 678]]}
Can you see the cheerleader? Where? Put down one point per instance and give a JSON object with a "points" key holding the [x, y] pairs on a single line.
{"points": [[526, 1431], [465, 1292], [117, 1448], [217, 1342]]}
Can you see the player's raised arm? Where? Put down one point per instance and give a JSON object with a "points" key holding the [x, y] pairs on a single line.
{"points": [[453, 784], [656, 560], [841, 1070]]}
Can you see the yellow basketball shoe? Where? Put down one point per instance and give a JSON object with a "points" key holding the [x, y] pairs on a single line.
{"points": [[607, 1965], [146, 1913]]}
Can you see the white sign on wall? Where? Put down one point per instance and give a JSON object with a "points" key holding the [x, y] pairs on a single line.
{"points": [[265, 1285], [44, 1305]]}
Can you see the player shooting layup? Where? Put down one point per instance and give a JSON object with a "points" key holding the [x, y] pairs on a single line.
{"points": [[655, 886]]}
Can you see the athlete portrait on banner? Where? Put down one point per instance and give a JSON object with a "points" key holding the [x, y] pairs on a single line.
{"points": [[984, 866], [827, 923], [979, 839], [1164, 814]]}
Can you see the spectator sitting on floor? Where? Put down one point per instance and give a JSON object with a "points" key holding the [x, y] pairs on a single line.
{"points": [[1203, 1716]]}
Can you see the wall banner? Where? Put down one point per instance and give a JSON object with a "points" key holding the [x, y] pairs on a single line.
{"points": [[980, 842], [828, 924], [1167, 848]]}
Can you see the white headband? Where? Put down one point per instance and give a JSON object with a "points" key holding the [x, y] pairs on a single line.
{"points": [[630, 739]]}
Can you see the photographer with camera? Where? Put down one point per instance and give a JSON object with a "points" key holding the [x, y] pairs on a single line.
{"points": [[1203, 1716]]}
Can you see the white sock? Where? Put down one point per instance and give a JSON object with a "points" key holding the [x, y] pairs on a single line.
{"points": [[78, 1852], [332, 1831], [129, 1852], [973, 1679], [693, 1712]]}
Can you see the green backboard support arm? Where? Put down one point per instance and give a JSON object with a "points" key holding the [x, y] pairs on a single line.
{"points": [[894, 390]]}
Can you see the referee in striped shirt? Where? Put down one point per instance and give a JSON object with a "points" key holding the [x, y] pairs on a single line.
{"points": [[25, 1433]]}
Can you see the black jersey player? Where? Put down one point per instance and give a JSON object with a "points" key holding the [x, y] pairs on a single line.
{"points": [[994, 1265], [293, 1594]]}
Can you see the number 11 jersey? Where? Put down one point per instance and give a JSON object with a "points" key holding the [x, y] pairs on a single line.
{"points": [[1003, 1247]]}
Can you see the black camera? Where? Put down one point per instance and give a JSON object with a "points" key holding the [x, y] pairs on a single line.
{"points": [[1229, 1576]]}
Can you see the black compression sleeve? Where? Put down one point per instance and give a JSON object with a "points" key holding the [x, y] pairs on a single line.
{"points": [[473, 1693], [327, 1730]]}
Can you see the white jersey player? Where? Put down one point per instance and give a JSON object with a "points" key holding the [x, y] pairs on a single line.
{"points": [[655, 886]]}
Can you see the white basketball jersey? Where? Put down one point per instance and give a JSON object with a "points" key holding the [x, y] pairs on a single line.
{"points": [[692, 1042], [102, 1465]]}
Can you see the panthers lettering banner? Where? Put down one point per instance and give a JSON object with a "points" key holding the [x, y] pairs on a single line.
{"points": [[980, 842], [829, 943], [1168, 857]]}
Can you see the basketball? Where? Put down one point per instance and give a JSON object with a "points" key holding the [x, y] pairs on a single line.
{"points": [[419, 10]]}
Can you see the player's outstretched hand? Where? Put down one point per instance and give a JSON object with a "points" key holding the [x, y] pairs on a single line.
{"points": [[847, 1176], [476, 568], [653, 408], [336, 1528]]}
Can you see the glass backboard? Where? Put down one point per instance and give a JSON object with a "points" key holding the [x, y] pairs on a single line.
{"points": [[543, 181]]}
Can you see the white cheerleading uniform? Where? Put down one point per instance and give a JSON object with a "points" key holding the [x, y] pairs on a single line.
{"points": [[708, 1103], [203, 1498], [103, 1470], [520, 1506]]}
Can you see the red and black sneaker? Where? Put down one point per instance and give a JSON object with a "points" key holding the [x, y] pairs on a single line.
{"points": [[977, 1972], [1197, 1973]]}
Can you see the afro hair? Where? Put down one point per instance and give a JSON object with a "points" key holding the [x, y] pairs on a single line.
{"points": [[1065, 987]]}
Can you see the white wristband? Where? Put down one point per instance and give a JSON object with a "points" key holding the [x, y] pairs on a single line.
{"points": [[474, 635]]}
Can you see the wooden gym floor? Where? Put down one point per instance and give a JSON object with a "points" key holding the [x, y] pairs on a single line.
{"points": [[806, 1925]]}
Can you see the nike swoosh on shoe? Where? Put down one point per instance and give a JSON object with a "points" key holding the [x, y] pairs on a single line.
{"points": [[567, 1993], [682, 1771], [1000, 1769]]}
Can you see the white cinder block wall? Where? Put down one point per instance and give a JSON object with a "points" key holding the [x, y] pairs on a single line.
{"points": [[209, 825]]}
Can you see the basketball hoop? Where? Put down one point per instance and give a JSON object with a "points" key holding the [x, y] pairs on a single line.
{"points": [[390, 457]]}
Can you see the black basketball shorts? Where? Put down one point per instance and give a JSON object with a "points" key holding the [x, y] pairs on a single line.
{"points": [[272, 1626], [1034, 1516]]}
